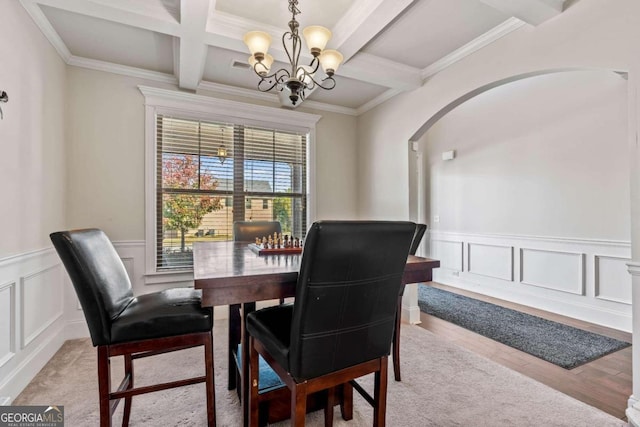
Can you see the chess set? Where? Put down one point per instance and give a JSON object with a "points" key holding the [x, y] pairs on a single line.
{"points": [[276, 244]]}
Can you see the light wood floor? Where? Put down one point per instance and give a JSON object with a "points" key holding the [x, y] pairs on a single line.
{"points": [[604, 383]]}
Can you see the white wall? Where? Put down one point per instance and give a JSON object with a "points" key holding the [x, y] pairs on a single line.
{"points": [[589, 34], [32, 184], [544, 156], [535, 208], [31, 135]]}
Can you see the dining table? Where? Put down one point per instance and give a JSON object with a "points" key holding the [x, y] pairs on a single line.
{"points": [[230, 273]]}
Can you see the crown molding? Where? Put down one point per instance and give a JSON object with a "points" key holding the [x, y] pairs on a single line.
{"points": [[33, 9], [94, 64], [476, 44], [175, 99], [271, 97], [377, 101]]}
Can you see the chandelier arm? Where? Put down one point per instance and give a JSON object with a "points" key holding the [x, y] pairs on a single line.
{"points": [[331, 83], [278, 74], [267, 83]]}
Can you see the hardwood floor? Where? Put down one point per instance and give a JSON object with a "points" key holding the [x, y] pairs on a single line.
{"points": [[604, 383]]}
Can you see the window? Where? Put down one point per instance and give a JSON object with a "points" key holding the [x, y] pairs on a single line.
{"points": [[210, 174], [194, 191]]}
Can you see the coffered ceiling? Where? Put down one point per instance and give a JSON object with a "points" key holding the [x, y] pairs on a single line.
{"points": [[389, 46]]}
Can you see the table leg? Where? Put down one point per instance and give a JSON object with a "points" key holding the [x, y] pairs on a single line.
{"points": [[246, 309]]}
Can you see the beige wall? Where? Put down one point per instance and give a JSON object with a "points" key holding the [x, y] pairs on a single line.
{"points": [[32, 138], [106, 155]]}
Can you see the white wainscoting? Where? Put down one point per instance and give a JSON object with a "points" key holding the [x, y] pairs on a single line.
{"points": [[580, 278], [39, 309], [32, 323]]}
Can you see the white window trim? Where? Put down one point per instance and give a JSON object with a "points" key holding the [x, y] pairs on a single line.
{"points": [[187, 105]]}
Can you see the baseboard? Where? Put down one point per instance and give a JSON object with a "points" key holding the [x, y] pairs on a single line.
{"points": [[29, 367], [76, 329], [411, 314]]}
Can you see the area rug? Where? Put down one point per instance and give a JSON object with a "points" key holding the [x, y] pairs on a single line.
{"points": [[554, 342], [443, 385]]}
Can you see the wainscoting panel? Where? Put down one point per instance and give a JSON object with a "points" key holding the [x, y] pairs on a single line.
{"points": [[42, 302], [582, 278], [490, 260], [612, 280], [449, 253], [560, 271], [7, 322], [32, 303]]}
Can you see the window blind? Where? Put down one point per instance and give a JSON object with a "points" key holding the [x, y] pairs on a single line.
{"points": [[210, 174]]}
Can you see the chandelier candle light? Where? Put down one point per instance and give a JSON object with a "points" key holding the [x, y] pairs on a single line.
{"points": [[301, 77]]}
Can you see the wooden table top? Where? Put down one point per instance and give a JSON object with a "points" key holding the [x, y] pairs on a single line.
{"points": [[235, 274]]}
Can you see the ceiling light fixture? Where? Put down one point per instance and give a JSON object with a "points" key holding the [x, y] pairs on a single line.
{"points": [[222, 150], [300, 78]]}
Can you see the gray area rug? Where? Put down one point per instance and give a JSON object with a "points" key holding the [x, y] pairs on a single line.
{"points": [[443, 385], [554, 342]]}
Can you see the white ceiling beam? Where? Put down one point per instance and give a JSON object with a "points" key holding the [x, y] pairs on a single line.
{"points": [[363, 21], [533, 12], [383, 72], [193, 50], [153, 19]]}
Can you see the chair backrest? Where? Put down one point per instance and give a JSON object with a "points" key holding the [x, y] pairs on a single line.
{"points": [[347, 293], [417, 238], [98, 276], [247, 231]]}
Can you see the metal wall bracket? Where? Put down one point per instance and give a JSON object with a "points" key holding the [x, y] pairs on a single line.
{"points": [[3, 98]]}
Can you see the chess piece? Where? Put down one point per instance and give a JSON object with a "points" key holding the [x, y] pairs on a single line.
{"points": [[296, 243], [286, 241]]}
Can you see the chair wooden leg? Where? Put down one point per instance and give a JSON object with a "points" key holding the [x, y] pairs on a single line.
{"points": [[380, 394], [211, 393], [128, 372], [328, 409], [104, 386], [254, 381], [396, 341], [234, 340], [298, 404], [346, 406]]}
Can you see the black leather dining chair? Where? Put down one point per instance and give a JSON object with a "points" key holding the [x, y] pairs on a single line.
{"points": [[415, 243], [341, 324], [244, 231], [134, 327]]}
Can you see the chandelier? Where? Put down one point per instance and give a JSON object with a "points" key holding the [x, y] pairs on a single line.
{"points": [[299, 78]]}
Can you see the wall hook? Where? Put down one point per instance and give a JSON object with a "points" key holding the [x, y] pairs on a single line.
{"points": [[3, 98]]}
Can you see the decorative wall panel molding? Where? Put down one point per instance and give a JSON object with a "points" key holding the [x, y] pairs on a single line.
{"points": [[32, 326], [449, 252], [490, 260], [560, 271], [42, 302], [612, 279], [7, 322], [580, 278]]}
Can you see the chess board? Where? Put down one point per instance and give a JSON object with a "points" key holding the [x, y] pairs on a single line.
{"points": [[275, 251]]}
